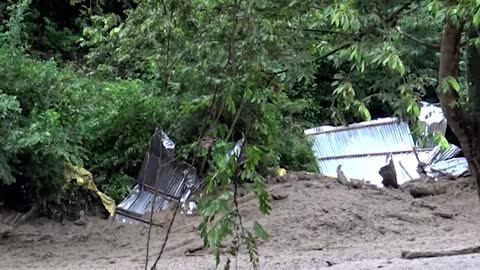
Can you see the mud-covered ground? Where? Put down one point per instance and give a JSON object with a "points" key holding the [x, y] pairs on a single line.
{"points": [[315, 224]]}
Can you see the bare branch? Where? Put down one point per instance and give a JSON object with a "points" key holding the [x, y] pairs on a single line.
{"points": [[154, 266], [324, 31], [344, 46], [430, 45]]}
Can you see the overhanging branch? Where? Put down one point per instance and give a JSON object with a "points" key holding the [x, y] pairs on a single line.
{"points": [[430, 45], [323, 31], [390, 20]]}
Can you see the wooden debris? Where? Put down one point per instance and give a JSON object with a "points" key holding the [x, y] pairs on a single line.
{"points": [[443, 253], [341, 178], [425, 189], [315, 185], [306, 176], [6, 231], [329, 263], [356, 184], [389, 175], [21, 219], [82, 220], [443, 215], [191, 250], [420, 203], [279, 196]]}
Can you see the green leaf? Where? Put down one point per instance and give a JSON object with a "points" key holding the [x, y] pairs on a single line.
{"points": [[364, 112], [230, 104], [453, 83], [259, 231], [441, 141], [444, 85], [476, 18]]}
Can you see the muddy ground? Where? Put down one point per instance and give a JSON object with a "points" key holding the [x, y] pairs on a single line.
{"points": [[315, 224]]}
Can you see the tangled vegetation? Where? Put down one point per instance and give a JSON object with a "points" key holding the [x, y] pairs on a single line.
{"points": [[89, 85]]}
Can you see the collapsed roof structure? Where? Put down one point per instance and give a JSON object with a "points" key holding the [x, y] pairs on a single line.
{"points": [[363, 148], [163, 180]]}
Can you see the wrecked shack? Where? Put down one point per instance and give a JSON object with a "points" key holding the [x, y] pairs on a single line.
{"points": [[161, 181], [362, 149]]}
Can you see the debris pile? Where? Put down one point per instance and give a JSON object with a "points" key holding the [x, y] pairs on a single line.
{"points": [[383, 151], [161, 180]]}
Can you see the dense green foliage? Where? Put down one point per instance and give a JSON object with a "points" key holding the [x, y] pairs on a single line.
{"points": [[89, 85]]}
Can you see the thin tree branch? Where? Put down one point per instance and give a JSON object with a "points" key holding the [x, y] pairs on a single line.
{"points": [[169, 33], [204, 125], [164, 7], [390, 20], [334, 51], [395, 16], [237, 116], [150, 229], [154, 266], [430, 45], [275, 73], [151, 213], [324, 31]]}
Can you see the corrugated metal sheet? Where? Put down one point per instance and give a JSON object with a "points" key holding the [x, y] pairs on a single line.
{"points": [[159, 174], [362, 149], [437, 154], [171, 180], [367, 167], [386, 137], [379, 121], [138, 203], [455, 167]]}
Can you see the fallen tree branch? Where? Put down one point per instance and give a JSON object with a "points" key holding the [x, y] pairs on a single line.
{"points": [[421, 165], [443, 253]]}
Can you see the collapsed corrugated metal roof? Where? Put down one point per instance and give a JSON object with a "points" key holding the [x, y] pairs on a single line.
{"points": [[455, 167], [437, 154], [363, 148], [160, 174]]}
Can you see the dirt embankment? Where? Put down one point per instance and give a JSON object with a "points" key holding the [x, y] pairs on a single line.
{"points": [[316, 223]]}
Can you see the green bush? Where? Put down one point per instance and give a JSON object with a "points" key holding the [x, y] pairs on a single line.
{"points": [[50, 115]]}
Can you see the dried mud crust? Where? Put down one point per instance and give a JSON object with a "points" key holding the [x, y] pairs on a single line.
{"points": [[316, 222]]}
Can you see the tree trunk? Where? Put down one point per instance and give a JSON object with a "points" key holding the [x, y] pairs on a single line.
{"points": [[463, 123]]}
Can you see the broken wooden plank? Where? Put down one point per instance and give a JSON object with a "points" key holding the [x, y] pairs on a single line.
{"points": [[442, 253]]}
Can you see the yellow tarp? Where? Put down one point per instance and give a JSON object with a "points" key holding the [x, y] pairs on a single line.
{"points": [[281, 172], [85, 178]]}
